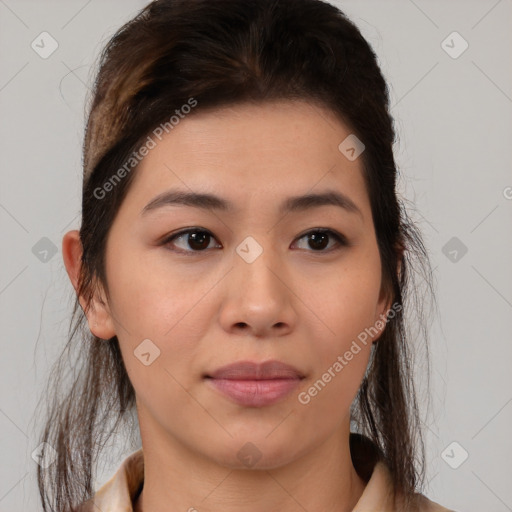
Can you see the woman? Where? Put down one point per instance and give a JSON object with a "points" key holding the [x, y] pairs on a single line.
{"points": [[242, 266]]}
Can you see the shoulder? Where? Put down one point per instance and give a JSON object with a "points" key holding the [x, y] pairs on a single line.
{"points": [[369, 463], [86, 506], [423, 504], [119, 492]]}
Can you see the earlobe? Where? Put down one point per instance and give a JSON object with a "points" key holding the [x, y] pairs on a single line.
{"points": [[100, 320], [97, 312]]}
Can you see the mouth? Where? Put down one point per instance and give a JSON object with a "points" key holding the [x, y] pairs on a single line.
{"points": [[252, 384]]}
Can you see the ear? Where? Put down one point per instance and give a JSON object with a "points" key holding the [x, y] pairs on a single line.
{"points": [[385, 301], [98, 314], [383, 306]]}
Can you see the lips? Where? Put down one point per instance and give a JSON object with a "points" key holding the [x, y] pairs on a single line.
{"points": [[248, 370], [251, 384]]}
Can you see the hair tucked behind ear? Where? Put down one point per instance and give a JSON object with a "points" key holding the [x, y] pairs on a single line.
{"points": [[219, 53]]}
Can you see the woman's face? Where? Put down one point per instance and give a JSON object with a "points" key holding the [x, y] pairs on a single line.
{"points": [[246, 284]]}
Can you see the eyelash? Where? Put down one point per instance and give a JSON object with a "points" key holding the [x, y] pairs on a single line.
{"points": [[340, 239]]}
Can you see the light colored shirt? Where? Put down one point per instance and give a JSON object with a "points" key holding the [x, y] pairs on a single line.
{"points": [[121, 491]]}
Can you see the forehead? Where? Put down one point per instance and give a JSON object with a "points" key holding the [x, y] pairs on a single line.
{"points": [[251, 154]]}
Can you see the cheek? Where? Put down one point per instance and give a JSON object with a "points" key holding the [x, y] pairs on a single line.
{"points": [[341, 356], [152, 298], [348, 306], [169, 320], [152, 306], [346, 349]]}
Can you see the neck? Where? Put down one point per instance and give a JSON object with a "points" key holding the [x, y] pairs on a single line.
{"points": [[178, 479]]}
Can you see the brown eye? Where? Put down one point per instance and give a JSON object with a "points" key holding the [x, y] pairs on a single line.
{"points": [[319, 239], [192, 240], [199, 240]]}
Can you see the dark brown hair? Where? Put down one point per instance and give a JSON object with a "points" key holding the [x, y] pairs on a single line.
{"points": [[219, 53]]}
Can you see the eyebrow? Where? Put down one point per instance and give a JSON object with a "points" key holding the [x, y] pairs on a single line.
{"points": [[208, 201]]}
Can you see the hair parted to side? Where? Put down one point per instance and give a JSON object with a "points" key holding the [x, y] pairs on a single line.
{"points": [[221, 53]]}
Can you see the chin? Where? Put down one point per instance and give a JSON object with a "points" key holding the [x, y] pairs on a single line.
{"points": [[256, 452]]}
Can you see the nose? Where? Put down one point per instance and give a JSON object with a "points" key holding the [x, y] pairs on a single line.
{"points": [[258, 298]]}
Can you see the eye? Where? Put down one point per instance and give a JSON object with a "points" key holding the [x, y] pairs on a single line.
{"points": [[318, 239], [196, 239]]}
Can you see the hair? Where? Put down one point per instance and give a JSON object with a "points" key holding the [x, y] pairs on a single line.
{"points": [[223, 53]]}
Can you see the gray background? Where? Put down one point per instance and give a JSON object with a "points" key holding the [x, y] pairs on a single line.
{"points": [[454, 121]]}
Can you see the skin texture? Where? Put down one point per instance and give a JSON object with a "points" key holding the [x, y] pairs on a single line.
{"points": [[207, 309]]}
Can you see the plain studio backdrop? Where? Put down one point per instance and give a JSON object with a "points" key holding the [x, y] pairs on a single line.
{"points": [[448, 65]]}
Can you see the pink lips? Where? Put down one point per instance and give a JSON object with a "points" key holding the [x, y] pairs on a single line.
{"points": [[255, 384]]}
